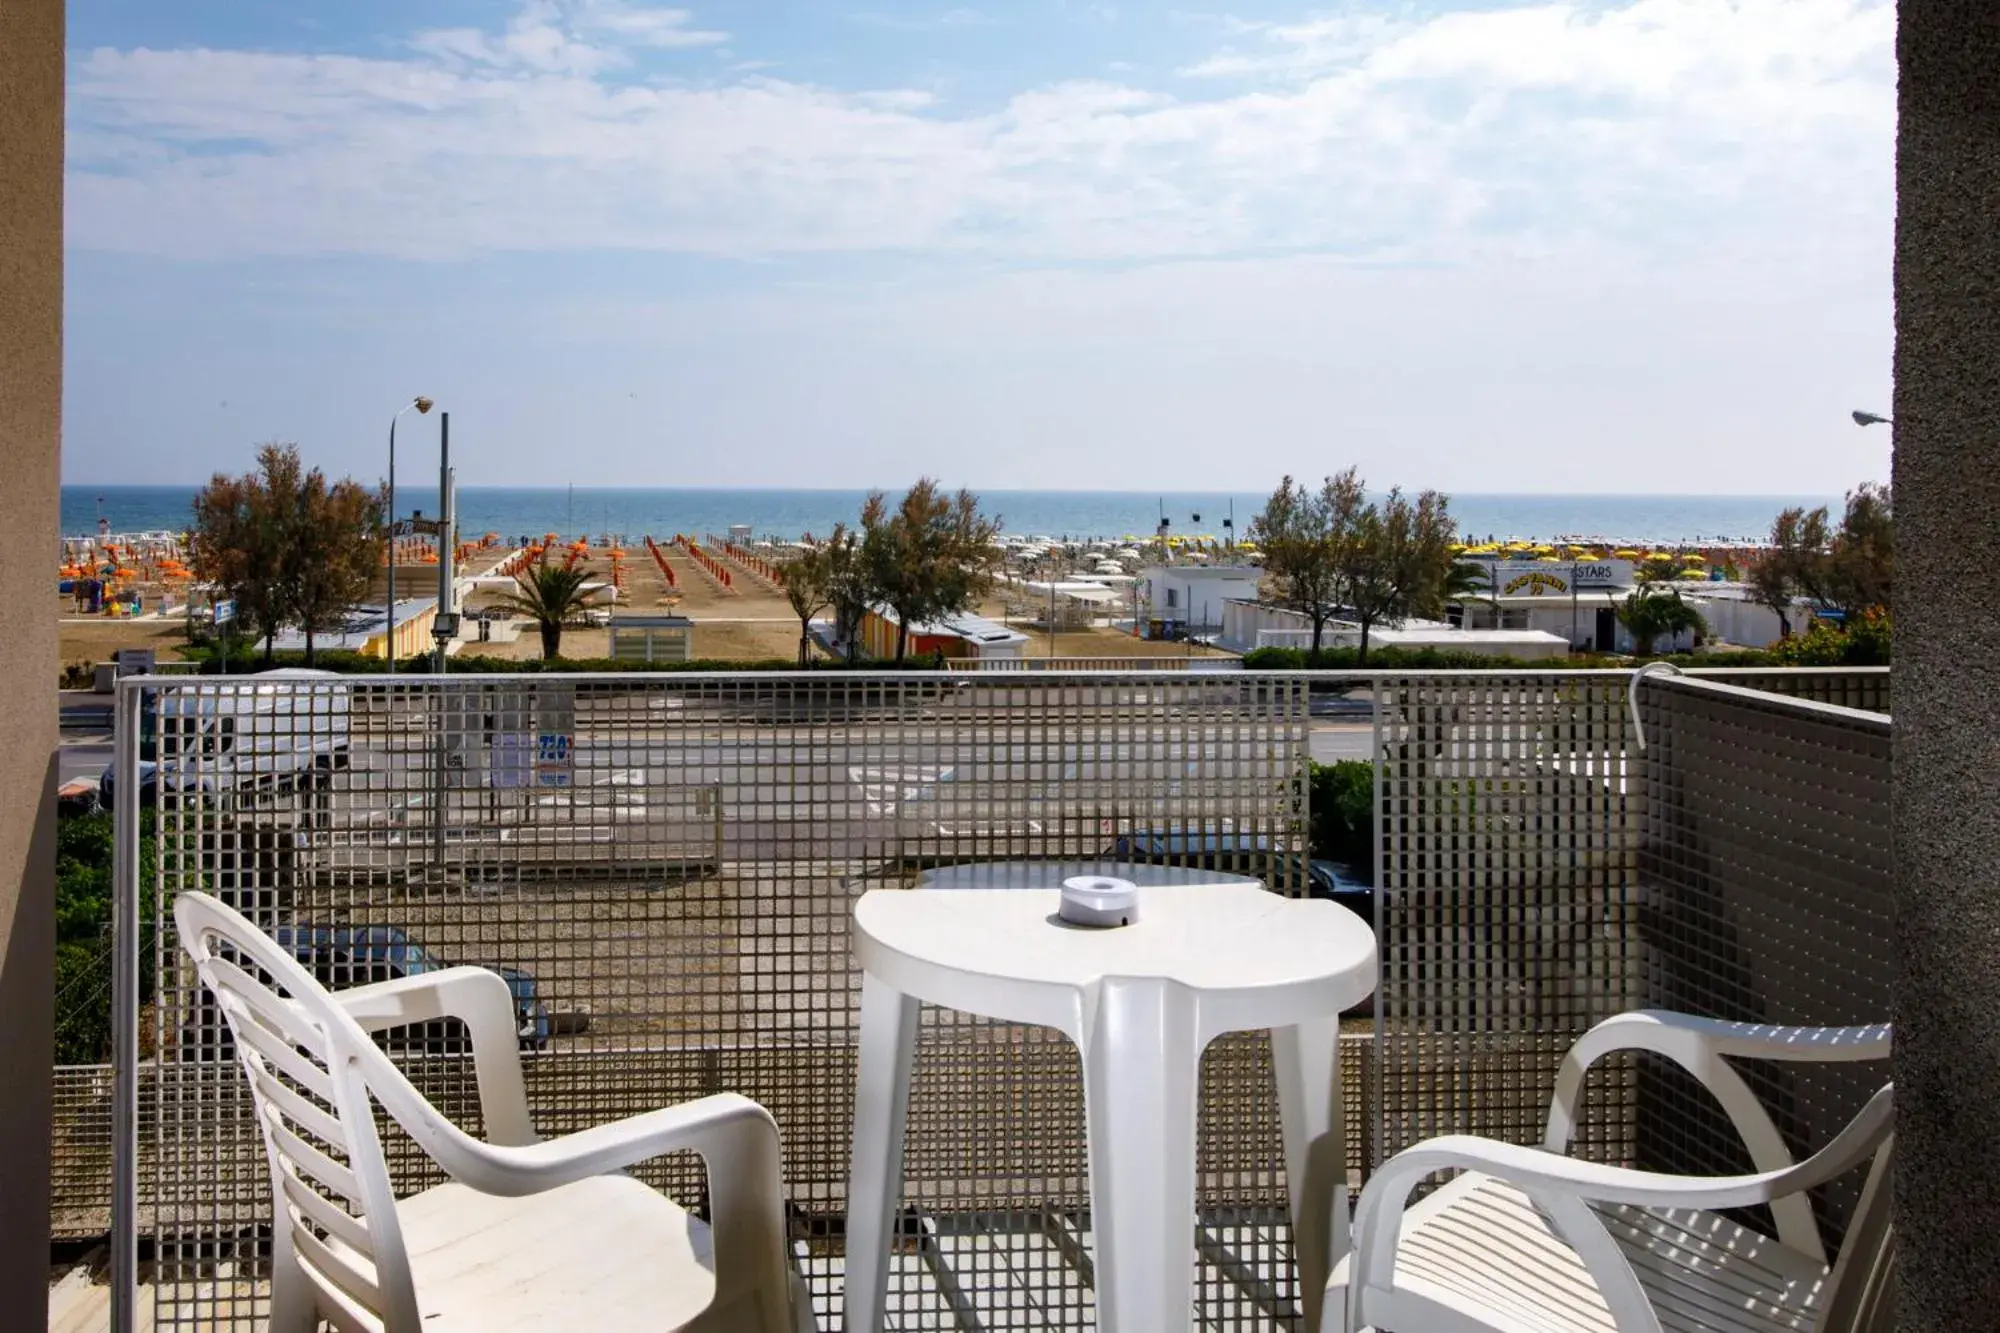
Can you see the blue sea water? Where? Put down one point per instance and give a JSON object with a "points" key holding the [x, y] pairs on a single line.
{"points": [[515, 511]]}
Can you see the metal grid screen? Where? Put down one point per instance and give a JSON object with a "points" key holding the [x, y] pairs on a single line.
{"points": [[80, 1157], [1865, 688], [664, 866], [1505, 894], [1765, 862]]}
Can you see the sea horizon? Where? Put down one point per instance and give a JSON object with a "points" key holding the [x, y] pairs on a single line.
{"points": [[788, 512]]}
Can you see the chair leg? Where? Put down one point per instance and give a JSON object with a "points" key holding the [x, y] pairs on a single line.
{"points": [[803, 1318], [293, 1309]]}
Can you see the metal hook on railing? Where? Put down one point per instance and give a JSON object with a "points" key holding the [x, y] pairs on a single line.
{"points": [[1632, 695]]}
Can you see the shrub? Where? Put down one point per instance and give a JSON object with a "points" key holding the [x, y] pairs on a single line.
{"points": [[83, 934], [1342, 827], [1866, 642], [1433, 659]]}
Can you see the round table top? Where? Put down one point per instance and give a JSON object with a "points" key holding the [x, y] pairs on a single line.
{"points": [[1002, 951]]}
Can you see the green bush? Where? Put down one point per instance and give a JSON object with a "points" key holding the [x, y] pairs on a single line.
{"points": [[84, 852], [1434, 659], [1342, 827], [1866, 642]]}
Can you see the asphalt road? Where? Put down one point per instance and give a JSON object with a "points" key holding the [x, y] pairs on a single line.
{"points": [[790, 792], [1329, 742], [82, 756], [85, 755]]}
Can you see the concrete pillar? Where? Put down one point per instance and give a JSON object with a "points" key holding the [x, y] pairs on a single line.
{"points": [[31, 233], [1947, 693]]}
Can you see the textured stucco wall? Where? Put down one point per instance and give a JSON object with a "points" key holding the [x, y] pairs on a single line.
{"points": [[1947, 710], [31, 161]]}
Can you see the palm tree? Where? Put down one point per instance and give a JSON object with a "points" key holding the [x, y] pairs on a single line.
{"points": [[1651, 612], [1469, 581], [552, 597]]}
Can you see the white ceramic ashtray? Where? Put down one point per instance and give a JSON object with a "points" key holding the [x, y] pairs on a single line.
{"points": [[1099, 900]]}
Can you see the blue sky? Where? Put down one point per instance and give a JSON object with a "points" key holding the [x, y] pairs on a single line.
{"points": [[1573, 245]]}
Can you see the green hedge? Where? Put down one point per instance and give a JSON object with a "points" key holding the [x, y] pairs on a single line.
{"points": [[1433, 659], [83, 933], [1864, 643], [1342, 827]]}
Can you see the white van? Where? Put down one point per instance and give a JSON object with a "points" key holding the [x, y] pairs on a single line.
{"points": [[272, 734]]}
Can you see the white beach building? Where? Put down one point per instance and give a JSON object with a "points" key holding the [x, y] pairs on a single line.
{"points": [[1248, 625], [1190, 599]]}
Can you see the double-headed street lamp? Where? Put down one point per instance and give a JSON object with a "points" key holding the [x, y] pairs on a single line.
{"points": [[423, 405], [1870, 419]]}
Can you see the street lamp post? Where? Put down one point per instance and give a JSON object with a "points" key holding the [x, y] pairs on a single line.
{"points": [[1870, 419], [423, 406], [445, 626]]}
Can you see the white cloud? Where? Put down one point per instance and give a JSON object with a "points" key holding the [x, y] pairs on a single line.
{"points": [[950, 18], [1663, 127], [581, 37], [1647, 50], [645, 24]]}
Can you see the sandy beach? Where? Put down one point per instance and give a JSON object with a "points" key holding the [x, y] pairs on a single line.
{"points": [[752, 621]]}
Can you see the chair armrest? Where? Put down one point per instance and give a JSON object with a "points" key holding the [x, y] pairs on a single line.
{"points": [[1556, 1181], [480, 999], [723, 1128], [1664, 1030], [1700, 1046], [738, 1143]]}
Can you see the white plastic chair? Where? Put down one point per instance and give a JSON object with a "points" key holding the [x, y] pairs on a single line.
{"points": [[1528, 1240], [529, 1234]]}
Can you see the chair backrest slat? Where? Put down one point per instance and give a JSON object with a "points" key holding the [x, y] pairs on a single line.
{"points": [[299, 1110], [330, 1184], [328, 1215], [339, 1268], [313, 1164], [277, 1056], [281, 1017]]}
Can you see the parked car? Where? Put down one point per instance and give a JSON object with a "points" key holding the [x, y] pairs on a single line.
{"points": [[266, 737], [1343, 884], [343, 956], [1243, 854]]}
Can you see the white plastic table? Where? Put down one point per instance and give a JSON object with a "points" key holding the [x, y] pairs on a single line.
{"points": [[1141, 1003]]}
